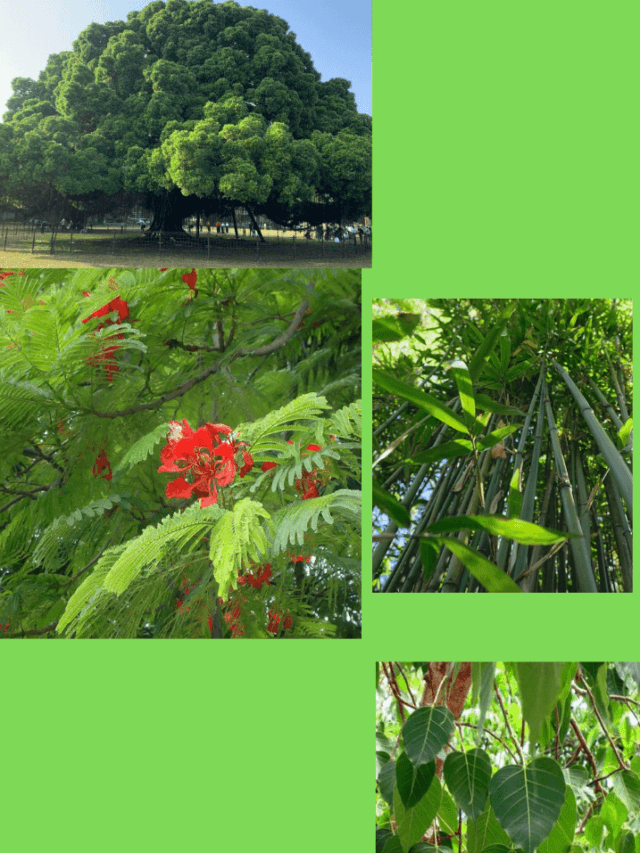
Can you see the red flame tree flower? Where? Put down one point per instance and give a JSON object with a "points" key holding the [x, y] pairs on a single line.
{"points": [[107, 353], [208, 461]]}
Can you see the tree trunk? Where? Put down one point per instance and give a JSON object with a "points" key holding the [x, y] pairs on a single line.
{"points": [[254, 223], [169, 210], [235, 224]]}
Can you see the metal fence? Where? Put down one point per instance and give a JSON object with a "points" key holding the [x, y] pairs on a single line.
{"points": [[21, 237]]}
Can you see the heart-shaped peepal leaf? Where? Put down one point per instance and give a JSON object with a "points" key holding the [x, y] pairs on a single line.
{"points": [[485, 830], [413, 782], [562, 833], [426, 732], [413, 823], [528, 800], [467, 775]]}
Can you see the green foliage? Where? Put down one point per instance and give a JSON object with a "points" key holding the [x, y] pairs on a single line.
{"points": [[86, 527], [492, 370], [574, 791], [237, 539], [194, 107]]}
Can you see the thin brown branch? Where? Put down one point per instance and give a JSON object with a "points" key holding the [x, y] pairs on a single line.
{"points": [[88, 566], [621, 763], [279, 342], [588, 753], [23, 495]]}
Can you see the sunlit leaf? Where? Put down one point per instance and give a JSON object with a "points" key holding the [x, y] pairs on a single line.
{"points": [[421, 399], [489, 575], [413, 822], [511, 528]]}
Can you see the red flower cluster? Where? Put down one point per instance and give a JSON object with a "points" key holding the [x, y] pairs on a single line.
{"points": [[190, 278], [6, 273], [106, 355], [209, 461], [102, 464], [116, 304], [257, 581], [6, 627], [308, 485], [300, 558], [274, 621]]}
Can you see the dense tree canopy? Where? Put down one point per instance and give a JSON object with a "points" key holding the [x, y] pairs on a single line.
{"points": [[455, 772], [180, 454], [193, 106], [503, 445]]}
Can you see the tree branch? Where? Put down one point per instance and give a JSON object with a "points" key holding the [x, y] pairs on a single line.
{"points": [[278, 343], [281, 340]]}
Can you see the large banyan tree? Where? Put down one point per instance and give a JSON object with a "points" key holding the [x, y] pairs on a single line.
{"points": [[188, 107], [502, 439]]}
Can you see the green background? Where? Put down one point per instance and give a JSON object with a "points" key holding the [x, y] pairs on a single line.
{"points": [[505, 165]]}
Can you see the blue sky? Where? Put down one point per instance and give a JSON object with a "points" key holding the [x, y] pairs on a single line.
{"points": [[337, 34]]}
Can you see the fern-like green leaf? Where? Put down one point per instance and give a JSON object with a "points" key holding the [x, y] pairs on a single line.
{"points": [[293, 522], [237, 538], [148, 548], [302, 408], [347, 422], [141, 449], [89, 588]]}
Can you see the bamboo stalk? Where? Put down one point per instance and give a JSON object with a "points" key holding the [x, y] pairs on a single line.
{"points": [[624, 550], [619, 469], [582, 558], [621, 401], [601, 398], [529, 498]]}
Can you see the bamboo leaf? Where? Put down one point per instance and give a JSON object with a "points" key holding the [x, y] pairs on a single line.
{"points": [[448, 450], [505, 350], [421, 399], [391, 506], [462, 446], [496, 436], [461, 375], [394, 328], [486, 347], [486, 403], [429, 551], [511, 528], [489, 575], [514, 501], [625, 432]]}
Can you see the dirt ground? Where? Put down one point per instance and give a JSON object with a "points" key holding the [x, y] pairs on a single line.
{"points": [[25, 260]]}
